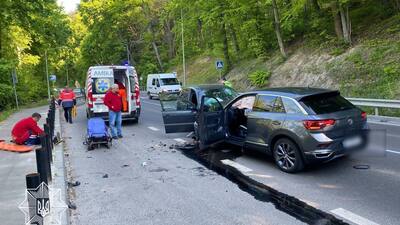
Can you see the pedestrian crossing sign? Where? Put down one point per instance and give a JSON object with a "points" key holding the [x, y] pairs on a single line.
{"points": [[219, 65]]}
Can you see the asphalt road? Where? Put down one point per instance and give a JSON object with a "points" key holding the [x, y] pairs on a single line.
{"points": [[149, 183], [141, 180]]}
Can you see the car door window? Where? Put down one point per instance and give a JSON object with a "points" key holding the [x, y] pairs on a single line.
{"points": [[244, 102], [193, 97], [176, 102], [291, 107], [264, 103], [278, 106], [211, 104]]}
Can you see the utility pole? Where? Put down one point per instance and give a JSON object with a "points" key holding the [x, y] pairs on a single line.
{"points": [[15, 81], [127, 53], [183, 51], [66, 65], [47, 74]]}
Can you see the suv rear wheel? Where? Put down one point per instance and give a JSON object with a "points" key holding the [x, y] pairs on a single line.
{"points": [[287, 156]]}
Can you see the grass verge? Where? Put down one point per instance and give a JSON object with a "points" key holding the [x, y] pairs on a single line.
{"points": [[8, 112]]}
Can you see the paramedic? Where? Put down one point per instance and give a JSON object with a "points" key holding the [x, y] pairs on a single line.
{"points": [[26, 131], [114, 103], [122, 93], [67, 100]]}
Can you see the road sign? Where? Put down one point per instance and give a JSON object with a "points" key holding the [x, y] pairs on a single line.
{"points": [[219, 65], [14, 77], [53, 78]]}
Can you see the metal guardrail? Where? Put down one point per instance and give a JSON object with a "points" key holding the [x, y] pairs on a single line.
{"points": [[376, 103]]}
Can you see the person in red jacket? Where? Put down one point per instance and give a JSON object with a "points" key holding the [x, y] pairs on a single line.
{"points": [[67, 100], [26, 131], [114, 103]]}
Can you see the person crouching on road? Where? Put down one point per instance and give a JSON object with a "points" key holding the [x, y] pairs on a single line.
{"points": [[67, 100], [26, 131], [114, 103]]}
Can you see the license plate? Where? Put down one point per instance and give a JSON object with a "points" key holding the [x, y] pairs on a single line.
{"points": [[100, 108], [352, 142]]}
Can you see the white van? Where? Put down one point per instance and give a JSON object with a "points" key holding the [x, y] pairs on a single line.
{"points": [[98, 82], [163, 82]]}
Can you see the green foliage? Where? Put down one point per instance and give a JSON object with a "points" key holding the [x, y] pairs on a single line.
{"points": [[260, 78], [6, 96], [27, 31]]}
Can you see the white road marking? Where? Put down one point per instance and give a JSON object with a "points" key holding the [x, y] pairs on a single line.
{"points": [[236, 165], [259, 175], [153, 129], [180, 140], [384, 123], [352, 217], [392, 151]]}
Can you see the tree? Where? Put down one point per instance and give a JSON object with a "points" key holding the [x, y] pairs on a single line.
{"points": [[278, 28]]}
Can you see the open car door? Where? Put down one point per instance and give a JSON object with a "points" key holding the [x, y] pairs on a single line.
{"points": [[178, 113], [211, 122]]}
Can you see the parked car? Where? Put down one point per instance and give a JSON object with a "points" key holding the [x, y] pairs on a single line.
{"points": [[297, 126], [162, 83], [79, 92]]}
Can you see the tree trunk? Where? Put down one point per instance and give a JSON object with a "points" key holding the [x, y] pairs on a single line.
{"points": [[234, 38], [315, 5], [155, 48], [396, 5], [346, 26], [278, 29], [226, 47], [1, 36], [200, 30], [169, 24], [337, 20]]}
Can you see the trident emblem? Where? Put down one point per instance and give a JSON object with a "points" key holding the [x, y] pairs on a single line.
{"points": [[43, 207]]}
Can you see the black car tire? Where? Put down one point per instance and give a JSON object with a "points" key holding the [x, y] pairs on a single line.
{"points": [[287, 156], [148, 93]]}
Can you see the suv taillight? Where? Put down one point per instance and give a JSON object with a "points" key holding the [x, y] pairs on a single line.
{"points": [[364, 115], [318, 124]]}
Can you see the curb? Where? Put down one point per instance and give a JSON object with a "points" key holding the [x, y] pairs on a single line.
{"points": [[59, 171]]}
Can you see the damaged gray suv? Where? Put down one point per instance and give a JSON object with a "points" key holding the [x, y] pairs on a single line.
{"points": [[296, 126]]}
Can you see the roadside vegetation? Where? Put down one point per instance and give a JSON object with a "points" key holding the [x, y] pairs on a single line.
{"points": [[28, 32]]}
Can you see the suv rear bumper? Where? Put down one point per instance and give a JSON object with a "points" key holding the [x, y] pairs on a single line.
{"points": [[334, 149]]}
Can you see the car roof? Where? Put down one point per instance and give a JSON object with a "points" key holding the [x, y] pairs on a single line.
{"points": [[206, 87], [294, 92]]}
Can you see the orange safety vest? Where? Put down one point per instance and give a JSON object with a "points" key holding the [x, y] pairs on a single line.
{"points": [[122, 93]]}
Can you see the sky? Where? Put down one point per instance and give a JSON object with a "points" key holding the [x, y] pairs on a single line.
{"points": [[69, 5]]}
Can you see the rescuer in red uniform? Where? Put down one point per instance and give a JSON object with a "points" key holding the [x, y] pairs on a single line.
{"points": [[67, 100], [26, 131]]}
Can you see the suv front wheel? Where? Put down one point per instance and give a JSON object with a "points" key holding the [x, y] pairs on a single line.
{"points": [[287, 156]]}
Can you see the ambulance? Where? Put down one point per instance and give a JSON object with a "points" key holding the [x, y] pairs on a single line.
{"points": [[98, 82]]}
